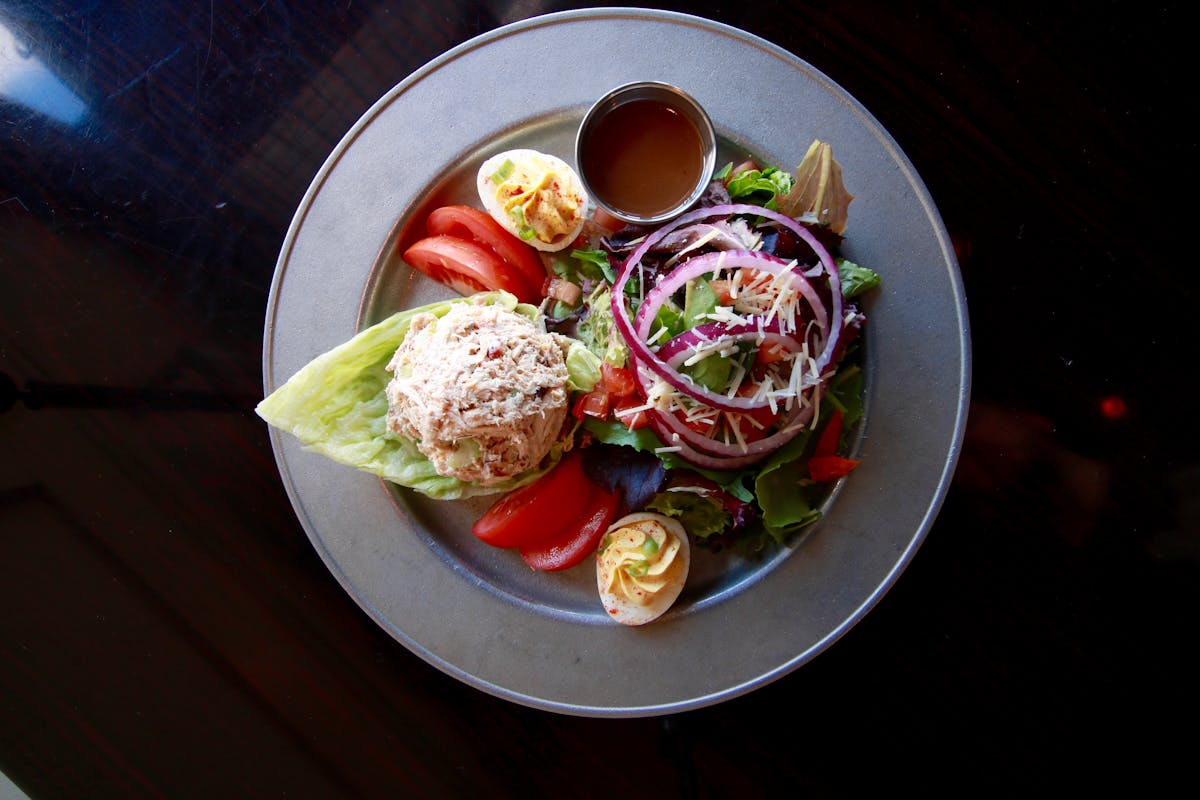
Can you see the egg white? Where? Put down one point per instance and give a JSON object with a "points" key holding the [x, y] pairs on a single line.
{"points": [[626, 611], [487, 195]]}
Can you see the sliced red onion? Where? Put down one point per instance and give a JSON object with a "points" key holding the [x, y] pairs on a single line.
{"points": [[695, 457], [696, 448], [702, 265], [797, 412], [642, 352], [728, 259], [708, 332]]}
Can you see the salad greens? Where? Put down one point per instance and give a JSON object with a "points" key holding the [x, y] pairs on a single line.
{"points": [[855, 279], [759, 187]]}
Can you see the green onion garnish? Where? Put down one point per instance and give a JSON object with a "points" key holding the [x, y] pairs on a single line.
{"points": [[501, 174]]}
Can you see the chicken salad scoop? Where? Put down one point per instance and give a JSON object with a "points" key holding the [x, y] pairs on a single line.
{"points": [[482, 391]]}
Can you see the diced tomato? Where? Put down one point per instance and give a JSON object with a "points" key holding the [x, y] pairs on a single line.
{"points": [[538, 512], [619, 381], [592, 404], [827, 444], [705, 426], [606, 220], [723, 289], [753, 425], [471, 223], [624, 411], [770, 353], [562, 290], [830, 468], [579, 539], [467, 267]]}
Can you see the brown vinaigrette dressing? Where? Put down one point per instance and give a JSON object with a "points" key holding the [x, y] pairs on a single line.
{"points": [[643, 158]]}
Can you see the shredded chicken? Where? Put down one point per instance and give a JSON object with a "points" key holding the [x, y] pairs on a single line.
{"points": [[482, 391]]}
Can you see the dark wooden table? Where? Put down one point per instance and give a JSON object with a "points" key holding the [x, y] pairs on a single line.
{"points": [[169, 631]]}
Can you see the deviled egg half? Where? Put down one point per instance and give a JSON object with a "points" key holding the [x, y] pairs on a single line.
{"points": [[641, 566], [535, 196]]}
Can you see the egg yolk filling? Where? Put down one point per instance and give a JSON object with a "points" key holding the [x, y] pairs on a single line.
{"points": [[639, 561], [537, 200]]}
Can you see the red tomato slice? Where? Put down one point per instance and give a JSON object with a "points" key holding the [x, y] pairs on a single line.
{"points": [[537, 512], [471, 223], [579, 540], [462, 264]]}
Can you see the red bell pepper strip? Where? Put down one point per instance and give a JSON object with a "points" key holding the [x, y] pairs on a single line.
{"points": [[827, 444], [830, 468]]}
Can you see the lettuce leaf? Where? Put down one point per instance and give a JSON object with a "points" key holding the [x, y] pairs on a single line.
{"points": [[700, 516], [760, 187], [336, 406], [583, 368], [856, 279], [818, 192]]}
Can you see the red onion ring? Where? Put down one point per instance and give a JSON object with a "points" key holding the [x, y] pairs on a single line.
{"points": [[731, 456], [674, 352], [675, 431], [725, 259], [701, 265], [642, 352], [680, 345], [697, 449]]}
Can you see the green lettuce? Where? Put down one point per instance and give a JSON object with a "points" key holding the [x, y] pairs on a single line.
{"points": [[700, 516], [856, 279], [760, 187], [583, 368], [785, 495], [336, 406], [597, 330]]}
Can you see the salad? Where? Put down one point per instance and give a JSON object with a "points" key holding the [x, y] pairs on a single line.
{"points": [[694, 382]]}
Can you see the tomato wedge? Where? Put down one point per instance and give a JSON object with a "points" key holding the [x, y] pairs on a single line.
{"points": [[538, 512], [471, 223], [468, 267], [578, 540]]}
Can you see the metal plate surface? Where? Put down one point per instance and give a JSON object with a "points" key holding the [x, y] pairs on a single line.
{"points": [[479, 613]]}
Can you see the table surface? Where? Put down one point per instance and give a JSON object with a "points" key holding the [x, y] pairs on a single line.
{"points": [[169, 630]]}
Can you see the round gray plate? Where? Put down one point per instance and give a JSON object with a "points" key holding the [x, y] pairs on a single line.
{"points": [[542, 639]]}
